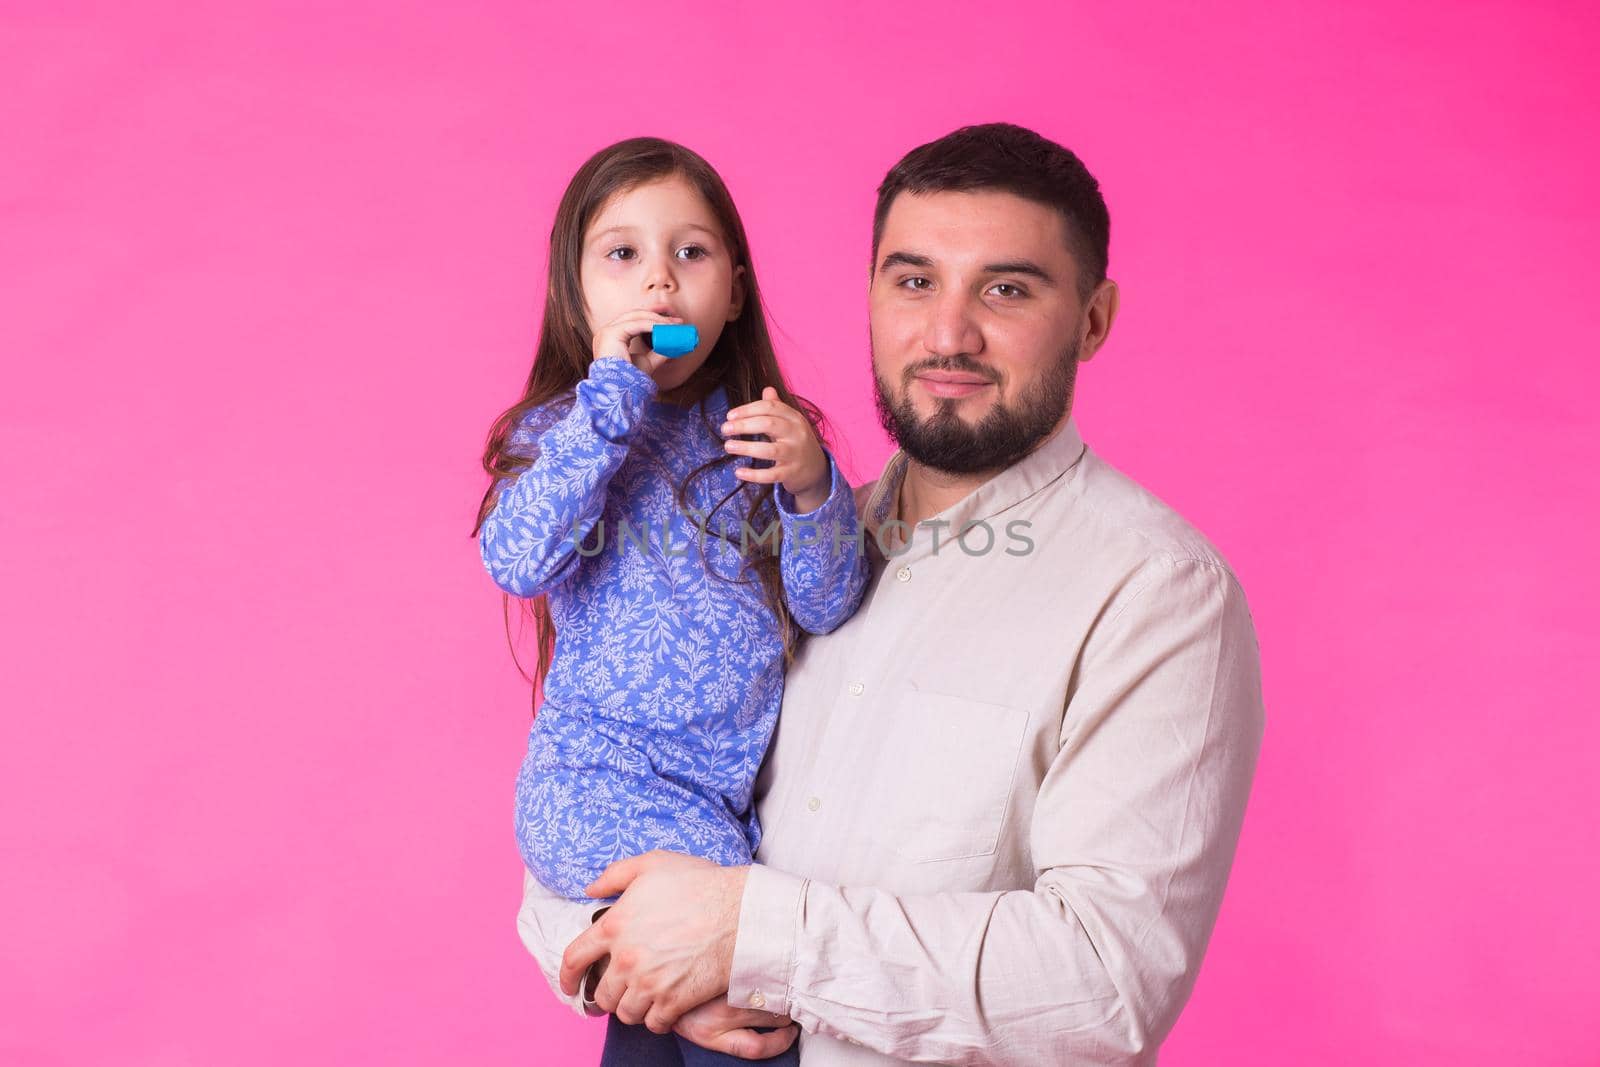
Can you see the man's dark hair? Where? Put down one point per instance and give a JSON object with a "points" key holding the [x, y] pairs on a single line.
{"points": [[1010, 159]]}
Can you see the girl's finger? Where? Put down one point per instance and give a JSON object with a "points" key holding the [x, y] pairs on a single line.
{"points": [[754, 424], [776, 408], [757, 449], [636, 323], [640, 314], [763, 475]]}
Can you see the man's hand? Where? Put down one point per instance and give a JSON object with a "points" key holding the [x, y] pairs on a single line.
{"points": [[670, 937], [716, 1025], [798, 460]]}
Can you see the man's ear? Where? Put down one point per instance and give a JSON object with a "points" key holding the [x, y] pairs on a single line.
{"points": [[1099, 314], [737, 304]]}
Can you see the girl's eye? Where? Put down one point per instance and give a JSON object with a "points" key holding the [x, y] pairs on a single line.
{"points": [[691, 252], [620, 252]]}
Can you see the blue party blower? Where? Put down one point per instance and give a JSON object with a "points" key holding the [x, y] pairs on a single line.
{"points": [[673, 339]]}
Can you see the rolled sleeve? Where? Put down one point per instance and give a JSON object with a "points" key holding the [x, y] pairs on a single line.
{"points": [[764, 949]]}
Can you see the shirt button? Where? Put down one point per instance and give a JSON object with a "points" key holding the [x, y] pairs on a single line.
{"points": [[856, 689], [904, 574], [814, 803], [757, 1000]]}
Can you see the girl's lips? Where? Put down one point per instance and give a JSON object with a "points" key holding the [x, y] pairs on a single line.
{"points": [[951, 387]]}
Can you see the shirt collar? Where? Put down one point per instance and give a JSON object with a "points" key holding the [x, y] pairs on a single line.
{"points": [[1039, 468]]}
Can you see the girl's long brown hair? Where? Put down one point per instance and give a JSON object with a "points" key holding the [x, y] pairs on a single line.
{"points": [[742, 362]]}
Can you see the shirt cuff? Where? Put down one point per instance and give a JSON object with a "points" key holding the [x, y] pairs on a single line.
{"points": [[764, 948], [836, 485]]}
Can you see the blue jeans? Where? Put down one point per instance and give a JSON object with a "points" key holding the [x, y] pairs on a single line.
{"points": [[635, 1046]]}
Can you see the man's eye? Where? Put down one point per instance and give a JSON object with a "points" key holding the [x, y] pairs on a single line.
{"points": [[620, 252], [917, 282], [1009, 289], [691, 252]]}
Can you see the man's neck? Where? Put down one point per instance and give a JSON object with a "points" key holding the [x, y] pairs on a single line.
{"points": [[925, 491]]}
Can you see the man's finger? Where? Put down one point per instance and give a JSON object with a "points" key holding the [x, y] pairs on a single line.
{"points": [[702, 1023], [665, 1013], [658, 1020], [613, 987], [615, 878], [585, 949], [634, 1008], [751, 1045]]}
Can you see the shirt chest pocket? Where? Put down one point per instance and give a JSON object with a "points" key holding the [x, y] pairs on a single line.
{"points": [[946, 781]]}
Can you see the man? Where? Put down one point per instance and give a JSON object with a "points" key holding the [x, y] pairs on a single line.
{"points": [[1004, 798]]}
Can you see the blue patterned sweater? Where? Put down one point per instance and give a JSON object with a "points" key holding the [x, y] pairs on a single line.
{"points": [[666, 681]]}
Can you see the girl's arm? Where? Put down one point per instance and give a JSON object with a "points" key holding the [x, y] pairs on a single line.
{"points": [[529, 541], [824, 561]]}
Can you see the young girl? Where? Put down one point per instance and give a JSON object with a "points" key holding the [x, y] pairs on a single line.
{"points": [[670, 570]]}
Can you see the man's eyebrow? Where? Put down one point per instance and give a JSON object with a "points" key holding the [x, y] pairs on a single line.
{"points": [[904, 259], [1011, 266], [1020, 266]]}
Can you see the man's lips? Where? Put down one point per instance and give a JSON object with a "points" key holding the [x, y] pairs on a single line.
{"points": [[945, 384]]}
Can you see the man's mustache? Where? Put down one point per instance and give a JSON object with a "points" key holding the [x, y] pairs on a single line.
{"points": [[954, 365]]}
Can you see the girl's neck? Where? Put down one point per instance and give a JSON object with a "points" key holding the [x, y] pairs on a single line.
{"points": [[691, 392]]}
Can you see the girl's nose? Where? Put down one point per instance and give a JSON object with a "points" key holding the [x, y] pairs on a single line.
{"points": [[659, 276]]}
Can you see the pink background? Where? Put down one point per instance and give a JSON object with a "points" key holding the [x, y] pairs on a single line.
{"points": [[270, 271]]}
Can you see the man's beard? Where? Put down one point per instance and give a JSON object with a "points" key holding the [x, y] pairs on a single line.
{"points": [[945, 443]]}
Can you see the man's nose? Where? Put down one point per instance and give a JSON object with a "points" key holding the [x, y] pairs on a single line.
{"points": [[952, 329]]}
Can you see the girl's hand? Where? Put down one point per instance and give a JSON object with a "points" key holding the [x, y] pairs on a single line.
{"points": [[799, 462], [628, 337]]}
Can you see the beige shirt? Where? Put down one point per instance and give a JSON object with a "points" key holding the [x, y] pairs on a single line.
{"points": [[1003, 799]]}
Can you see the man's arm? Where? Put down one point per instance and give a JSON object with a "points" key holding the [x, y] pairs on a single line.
{"points": [[1133, 834]]}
